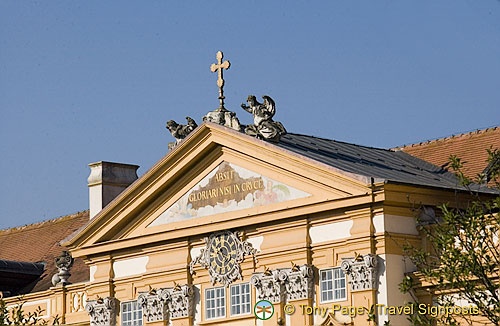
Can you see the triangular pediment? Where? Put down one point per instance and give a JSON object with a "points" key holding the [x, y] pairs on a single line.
{"points": [[215, 179], [228, 188]]}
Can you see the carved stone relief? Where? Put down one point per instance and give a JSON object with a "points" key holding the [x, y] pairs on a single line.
{"points": [[102, 311], [362, 272]]}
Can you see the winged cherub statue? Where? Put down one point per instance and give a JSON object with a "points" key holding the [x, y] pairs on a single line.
{"points": [[180, 131], [264, 126]]}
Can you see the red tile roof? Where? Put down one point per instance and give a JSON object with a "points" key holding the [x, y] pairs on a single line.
{"points": [[40, 242], [469, 147]]}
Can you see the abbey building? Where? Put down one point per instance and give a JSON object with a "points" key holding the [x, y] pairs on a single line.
{"points": [[238, 225]]}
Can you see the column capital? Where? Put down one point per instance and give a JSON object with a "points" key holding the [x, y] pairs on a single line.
{"points": [[102, 311], [362, 272]]}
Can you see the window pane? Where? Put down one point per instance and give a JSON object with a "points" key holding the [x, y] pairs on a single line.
{"points": [[215, 302], [240, 299], [131, 314], [332, 285]]}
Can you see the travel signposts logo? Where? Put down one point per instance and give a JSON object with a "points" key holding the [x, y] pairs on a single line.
{"points": [[263, 310]]}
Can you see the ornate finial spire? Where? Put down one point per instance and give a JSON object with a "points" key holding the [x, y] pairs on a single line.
{"points": [[220, 115], [220, 81], [63, 263]]}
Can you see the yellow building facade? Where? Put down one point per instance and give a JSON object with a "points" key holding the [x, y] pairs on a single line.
{"points": [[228, 229]]}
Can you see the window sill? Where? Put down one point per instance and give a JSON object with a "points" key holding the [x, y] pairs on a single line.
{"points": [[333, 301], [226, 319]]}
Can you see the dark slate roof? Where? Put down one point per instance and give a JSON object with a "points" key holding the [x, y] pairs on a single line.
{"points": [[15, 276], [21, 267], [380, 164]]}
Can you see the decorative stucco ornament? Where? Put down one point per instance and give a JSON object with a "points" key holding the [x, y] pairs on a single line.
{"points": [[181, 302], [63, 263], [362, 272], [282, 284], [264, 127], [222, 255], [221, 115], [299, 283], [102, 311], [154, 304], [269, 285], [167, 303], [179, 132]]}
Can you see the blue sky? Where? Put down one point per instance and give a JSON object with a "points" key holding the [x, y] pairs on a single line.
{"points": [[83, 81]]}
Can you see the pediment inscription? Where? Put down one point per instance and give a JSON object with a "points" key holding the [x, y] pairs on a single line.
{"points": [[228, 188]]}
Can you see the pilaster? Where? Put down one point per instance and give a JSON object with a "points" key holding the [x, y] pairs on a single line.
{"points": [[299, 291], [102, 284]]}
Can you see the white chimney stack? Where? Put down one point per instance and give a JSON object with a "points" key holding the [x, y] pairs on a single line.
{"points": [[106, 181]]}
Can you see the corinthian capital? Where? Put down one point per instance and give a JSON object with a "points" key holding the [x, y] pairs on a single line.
{"points": [[102, 311], [294, 283], [362, 272], [154, 304]]}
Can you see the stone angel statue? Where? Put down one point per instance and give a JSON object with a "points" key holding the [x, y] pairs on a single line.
{"points": [[264, 126]]}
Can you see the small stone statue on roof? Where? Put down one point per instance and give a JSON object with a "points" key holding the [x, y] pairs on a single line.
{"points": [[264, 127], [63, 263], [179, 132]]}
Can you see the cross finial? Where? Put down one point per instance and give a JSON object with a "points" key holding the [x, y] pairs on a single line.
{"points": [[219, 66]]}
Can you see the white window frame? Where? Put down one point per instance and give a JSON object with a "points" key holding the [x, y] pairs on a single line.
{"points": [[240, 295], [334, 288], [215, 300], [132, 322]]}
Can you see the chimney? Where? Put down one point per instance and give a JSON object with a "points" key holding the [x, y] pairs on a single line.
{"points": [[106, 181]]}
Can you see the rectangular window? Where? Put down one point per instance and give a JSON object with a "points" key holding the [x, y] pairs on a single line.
{"points": [[215, 303], [131, 313], [332, 285], [240, 299]]}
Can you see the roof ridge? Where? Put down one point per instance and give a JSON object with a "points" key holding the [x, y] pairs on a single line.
{"points": [[339, 141], [42, 223], [453, 136]]}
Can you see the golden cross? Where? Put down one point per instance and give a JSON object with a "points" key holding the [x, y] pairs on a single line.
{"points": [[220, 81]]}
